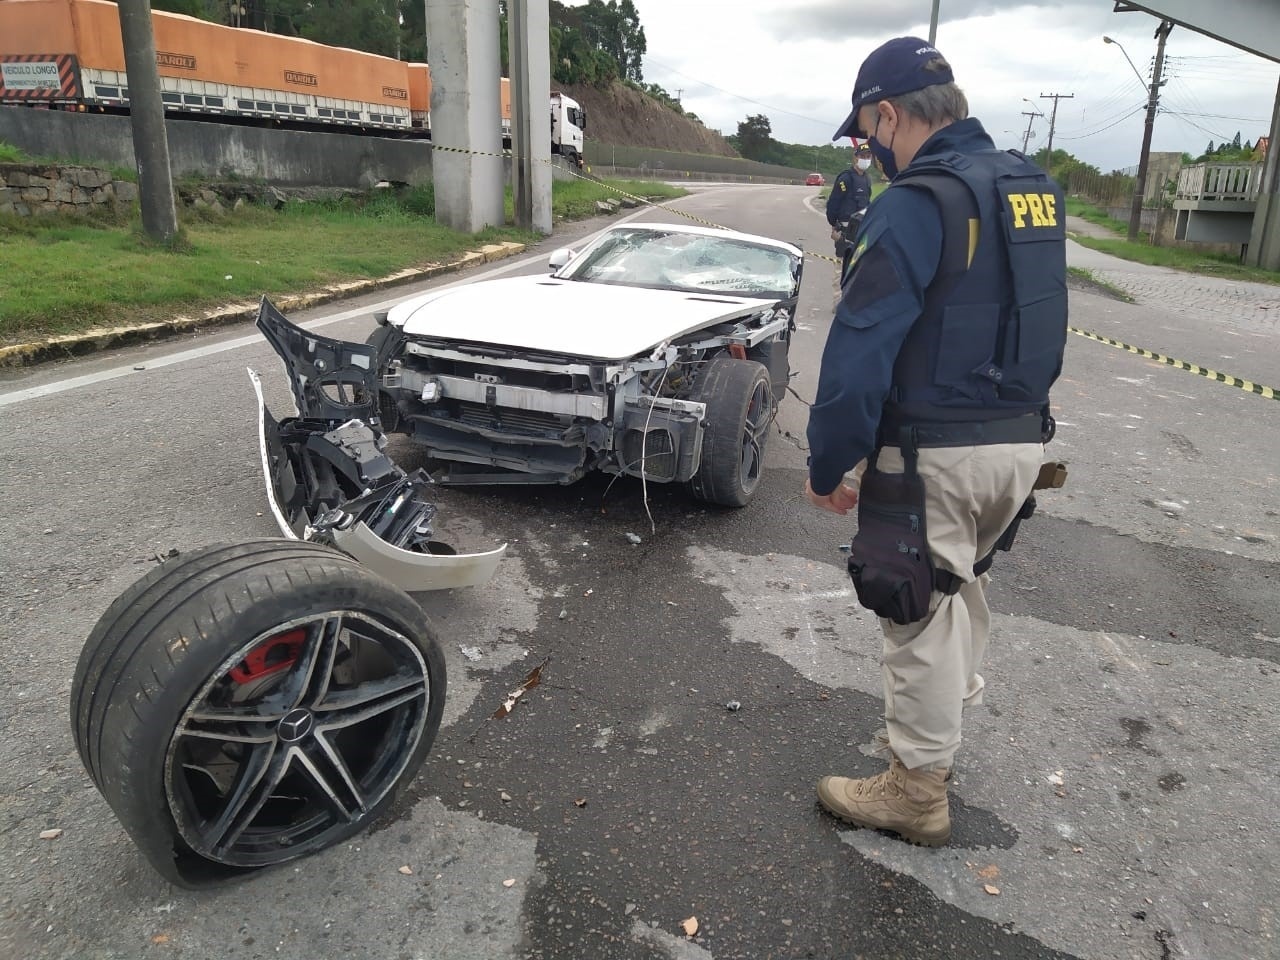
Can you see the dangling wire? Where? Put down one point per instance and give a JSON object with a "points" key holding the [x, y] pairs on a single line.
{"points": [[644, 445]]}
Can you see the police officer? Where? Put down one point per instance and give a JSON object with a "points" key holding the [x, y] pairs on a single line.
{"points": [[849, 194], [949, 332]]}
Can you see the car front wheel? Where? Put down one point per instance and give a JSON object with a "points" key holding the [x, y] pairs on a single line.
{"points": [[740, 407], [245, 705]]}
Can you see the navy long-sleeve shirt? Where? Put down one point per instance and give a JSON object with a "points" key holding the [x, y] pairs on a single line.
{"points": [[849, 194], [896, 255]]}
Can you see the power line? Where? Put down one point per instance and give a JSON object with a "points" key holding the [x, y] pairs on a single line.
{"points": [[1085, 128], [1178, 116], [1218, 116], [1094, 133]]}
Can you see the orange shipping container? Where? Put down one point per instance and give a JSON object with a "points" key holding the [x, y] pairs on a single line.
{"points": [[191, 49], [419, 88]]}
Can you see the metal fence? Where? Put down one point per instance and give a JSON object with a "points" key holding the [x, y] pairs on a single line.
{"points": [[1101, 189]]}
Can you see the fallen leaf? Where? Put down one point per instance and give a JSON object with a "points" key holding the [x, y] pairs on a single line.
{"points": [[690, 927], [160, 938], [407, 870], [511, 882], [580, 802], [989, 872], [53, 834], [531, 681], [991, 889], [1077, 849]]}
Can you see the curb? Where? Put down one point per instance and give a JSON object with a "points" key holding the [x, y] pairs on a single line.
{"points": [[79, 344]]}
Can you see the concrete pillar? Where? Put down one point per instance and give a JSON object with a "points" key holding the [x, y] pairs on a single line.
{"points": [[462, 48], [528, 29], [1264, 239]]}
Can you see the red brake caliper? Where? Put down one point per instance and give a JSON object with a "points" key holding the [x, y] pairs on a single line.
{"points": [[271, 656]]}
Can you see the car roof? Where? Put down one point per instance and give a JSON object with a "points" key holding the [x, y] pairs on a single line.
{"points": [[721, 232]]}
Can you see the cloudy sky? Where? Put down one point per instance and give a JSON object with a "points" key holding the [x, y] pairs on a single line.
{"points": [[796, 62]]}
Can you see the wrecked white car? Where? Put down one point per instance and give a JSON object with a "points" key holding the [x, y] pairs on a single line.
{"points": [[656, 351]]}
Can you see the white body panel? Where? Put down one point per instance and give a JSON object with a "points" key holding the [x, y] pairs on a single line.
{"points": [[546, 314]]}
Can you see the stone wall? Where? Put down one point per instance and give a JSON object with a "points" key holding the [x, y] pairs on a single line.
{"points": [[37, 189]]}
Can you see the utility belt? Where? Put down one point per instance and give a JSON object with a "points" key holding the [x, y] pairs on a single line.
{"points": [[889, 561], [1025, 428]]}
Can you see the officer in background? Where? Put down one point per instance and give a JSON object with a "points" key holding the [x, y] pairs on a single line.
{"points": [[850, 193], [950, 329]]}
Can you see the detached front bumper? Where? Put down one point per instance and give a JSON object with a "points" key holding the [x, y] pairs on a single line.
{"points": [[328, 478]]}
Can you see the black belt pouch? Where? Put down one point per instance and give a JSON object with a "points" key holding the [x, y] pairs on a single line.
{"points": [[889, 559]]}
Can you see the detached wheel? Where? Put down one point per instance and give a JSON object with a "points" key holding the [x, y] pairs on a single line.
{"points": [[739, 402], [246, 705]]}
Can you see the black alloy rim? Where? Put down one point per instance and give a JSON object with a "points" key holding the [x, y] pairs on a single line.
{"points": [[755, 429], [295, 738]]}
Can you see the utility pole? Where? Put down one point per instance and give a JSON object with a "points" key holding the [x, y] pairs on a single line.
{"points": [[146, 117], [1053, 119], [1153, 100], [1026, 137], [679, 91]]}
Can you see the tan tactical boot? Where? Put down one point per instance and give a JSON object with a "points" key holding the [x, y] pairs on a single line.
{"points": [[910, 803]]}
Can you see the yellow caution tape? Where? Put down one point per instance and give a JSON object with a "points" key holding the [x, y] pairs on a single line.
{"points": [[1247, 385]]}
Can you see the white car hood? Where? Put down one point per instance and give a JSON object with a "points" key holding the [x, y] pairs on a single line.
{"points": [[541, 313]]}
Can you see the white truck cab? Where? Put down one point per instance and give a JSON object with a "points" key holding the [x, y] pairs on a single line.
{"points": [[568, 124]]}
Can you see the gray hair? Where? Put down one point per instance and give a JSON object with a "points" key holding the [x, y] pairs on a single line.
{"points": [[937, 105]]}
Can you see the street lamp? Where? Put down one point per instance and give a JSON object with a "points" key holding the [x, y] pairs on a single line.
{"points": [[1126, 56]]}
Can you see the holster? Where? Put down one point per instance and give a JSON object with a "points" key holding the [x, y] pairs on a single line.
{"points": [[1052, 476], [889, 561]]}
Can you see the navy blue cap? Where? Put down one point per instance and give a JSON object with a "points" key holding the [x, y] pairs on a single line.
{"points": [[890, 70]]}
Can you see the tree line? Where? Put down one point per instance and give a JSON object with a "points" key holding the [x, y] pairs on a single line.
{"points": [[596, 43]]}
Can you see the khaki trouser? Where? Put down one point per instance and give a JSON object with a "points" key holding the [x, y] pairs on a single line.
{"points": [[930, 668]]}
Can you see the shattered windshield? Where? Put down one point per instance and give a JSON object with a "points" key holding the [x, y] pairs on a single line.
{"points": [[675, 260]]}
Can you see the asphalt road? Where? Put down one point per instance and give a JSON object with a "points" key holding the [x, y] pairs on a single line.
{"points": [[1117, 789]]}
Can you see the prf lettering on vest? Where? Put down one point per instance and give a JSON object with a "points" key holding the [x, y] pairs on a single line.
{"points": [[1039, 205]]}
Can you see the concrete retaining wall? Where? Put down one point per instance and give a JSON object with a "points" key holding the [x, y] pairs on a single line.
{"points": [[219, 150]]}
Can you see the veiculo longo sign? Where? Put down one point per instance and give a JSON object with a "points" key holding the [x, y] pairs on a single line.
{"points": [[42, 75]]}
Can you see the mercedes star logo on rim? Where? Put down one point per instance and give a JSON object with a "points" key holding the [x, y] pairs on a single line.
{"points": [[295, 725]]}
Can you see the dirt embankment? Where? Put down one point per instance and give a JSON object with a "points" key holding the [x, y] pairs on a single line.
{"points": [[623, 116]]}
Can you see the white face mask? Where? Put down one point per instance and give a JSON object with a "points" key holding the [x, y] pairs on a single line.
{"points": [[862, 165]]}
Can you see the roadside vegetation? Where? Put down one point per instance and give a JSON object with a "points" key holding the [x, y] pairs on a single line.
{"points": [[1188, 259], [1095, 284], [64, 275]]}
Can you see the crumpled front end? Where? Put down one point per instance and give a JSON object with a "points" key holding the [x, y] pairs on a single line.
{"points": [[329, 478], [494, 418]]}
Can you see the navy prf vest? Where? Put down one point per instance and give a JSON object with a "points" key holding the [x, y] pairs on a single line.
{"points": [[989, 341]]}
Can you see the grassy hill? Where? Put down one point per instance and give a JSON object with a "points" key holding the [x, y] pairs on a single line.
{"points": [[624, 116]]}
